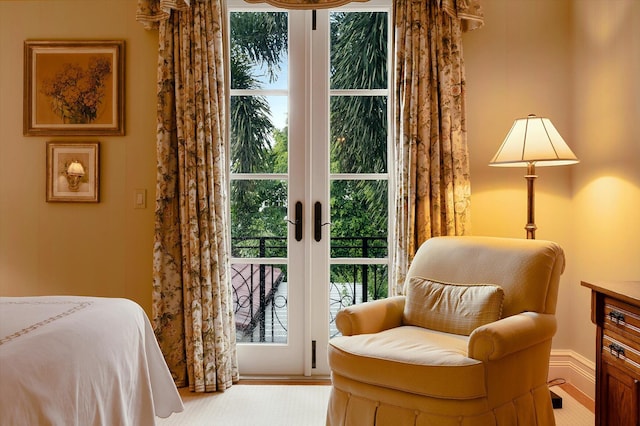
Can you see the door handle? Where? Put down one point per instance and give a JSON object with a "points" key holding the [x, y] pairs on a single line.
{"points": [[317, 221], [298, 221]]}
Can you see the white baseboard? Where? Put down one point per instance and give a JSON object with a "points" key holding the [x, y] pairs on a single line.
{"points": [[575, 369]]}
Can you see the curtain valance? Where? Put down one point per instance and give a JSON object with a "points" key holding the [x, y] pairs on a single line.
{"points": [[469, 12], [150, 12], [305, 4]]}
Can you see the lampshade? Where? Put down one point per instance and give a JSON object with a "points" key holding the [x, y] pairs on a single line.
{"points": [[75, 169], [533, 140]]}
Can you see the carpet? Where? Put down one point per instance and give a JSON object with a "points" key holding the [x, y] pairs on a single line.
{"points": [[254, 405], [298, 405], [572, 412]]}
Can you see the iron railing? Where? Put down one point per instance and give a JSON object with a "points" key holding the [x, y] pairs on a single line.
{"points": [[259, 290]]}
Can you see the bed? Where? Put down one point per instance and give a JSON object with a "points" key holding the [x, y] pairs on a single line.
{"points": [[81, 361]]}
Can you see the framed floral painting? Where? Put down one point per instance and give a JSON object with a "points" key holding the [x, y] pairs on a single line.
{"points": [[73, 171], [73, 88]]}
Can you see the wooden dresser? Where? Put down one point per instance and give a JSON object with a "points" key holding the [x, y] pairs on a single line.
{"points": [[615, 310]]}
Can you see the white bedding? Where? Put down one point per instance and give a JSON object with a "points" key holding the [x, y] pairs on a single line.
{"points": [[81, 361]]}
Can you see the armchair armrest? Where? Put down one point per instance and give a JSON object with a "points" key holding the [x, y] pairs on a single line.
{"points": [[509, 335], [371, 317]]}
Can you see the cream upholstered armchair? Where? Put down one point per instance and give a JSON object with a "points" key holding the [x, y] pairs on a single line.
{"points": [[468, 343]]}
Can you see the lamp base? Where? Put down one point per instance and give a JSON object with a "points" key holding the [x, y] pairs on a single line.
{"points": [[531, 231], [556, 400], [531, 209]]}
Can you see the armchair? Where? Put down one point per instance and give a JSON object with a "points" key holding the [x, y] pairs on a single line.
{"points": [[467, 345]]}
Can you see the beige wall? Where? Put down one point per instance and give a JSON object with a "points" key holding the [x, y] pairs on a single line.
{"points": [[102, 249], [520, 63], [606, 127], [573, 61]]}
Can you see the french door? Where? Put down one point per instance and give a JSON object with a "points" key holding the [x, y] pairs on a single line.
{"points": [[310, 108]]}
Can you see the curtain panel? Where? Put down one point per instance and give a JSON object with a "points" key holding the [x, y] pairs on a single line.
{"points": [[192, 302], [431, 157]]}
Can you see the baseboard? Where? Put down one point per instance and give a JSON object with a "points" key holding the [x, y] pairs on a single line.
{"points": [[575, 369], [564, 364], [284, 380]]}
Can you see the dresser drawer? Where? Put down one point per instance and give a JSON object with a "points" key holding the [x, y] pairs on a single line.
{"points": [[618, 351], [615, 310], [622, 318]]}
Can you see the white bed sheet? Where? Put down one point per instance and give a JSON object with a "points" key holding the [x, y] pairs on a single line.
{"points": [[81, 361]]}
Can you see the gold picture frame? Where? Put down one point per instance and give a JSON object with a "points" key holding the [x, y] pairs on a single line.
{"points": [[73, 172], [73, 88]]}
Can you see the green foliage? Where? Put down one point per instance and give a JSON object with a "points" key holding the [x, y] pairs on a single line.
{"points": [[280, 156], [359, 123], [347, 277], [251, 131], [358, 206], [261, 37], [257, 207], [258, 211], [359, 50]]}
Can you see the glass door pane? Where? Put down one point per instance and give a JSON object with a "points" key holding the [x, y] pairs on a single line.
{"points": [[268, 336], [359, 138]]}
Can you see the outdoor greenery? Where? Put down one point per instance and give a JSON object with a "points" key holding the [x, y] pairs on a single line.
{"points": [[358, 137]]}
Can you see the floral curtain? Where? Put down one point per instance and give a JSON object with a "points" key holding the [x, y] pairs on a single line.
{"points": [[192, 304], [431, 157]]}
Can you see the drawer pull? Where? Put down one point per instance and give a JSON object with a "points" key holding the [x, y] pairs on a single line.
{"points": [[616, 350], [617, 317]]}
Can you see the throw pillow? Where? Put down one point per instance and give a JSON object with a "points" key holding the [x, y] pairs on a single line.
{"points": [[451, 308]]}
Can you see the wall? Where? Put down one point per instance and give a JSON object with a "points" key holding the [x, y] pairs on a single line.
{"points": [[574, 62], [520, 63], [102, 249], [606, 112]]}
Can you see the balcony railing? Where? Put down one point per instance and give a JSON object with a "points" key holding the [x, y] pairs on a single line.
{"points": [[260, 290]]}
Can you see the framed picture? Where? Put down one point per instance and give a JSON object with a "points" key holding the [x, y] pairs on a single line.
{"points": [[73, 88], [72, 172]]}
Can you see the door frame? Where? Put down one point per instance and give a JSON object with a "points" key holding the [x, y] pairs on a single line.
{"points": [[311, 333]]}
